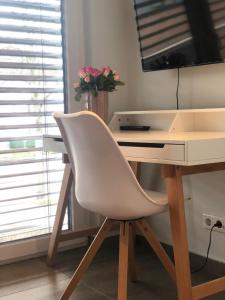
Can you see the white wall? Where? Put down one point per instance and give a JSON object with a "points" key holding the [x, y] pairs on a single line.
{"points": [[103, 32], [96, 35], [200, 87]]}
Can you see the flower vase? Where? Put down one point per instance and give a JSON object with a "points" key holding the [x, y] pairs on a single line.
{"points": [[98, 104]]}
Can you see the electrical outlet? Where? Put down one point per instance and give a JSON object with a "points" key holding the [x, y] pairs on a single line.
{"points": [[209, 221]]}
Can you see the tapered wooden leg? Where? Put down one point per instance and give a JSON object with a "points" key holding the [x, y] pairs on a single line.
{"points": [[60, 213], [87, 259], [173, 177], [123, 260], [144, 228], [132, 260]]}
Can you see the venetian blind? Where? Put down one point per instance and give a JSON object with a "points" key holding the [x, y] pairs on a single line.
{"points": [[161, 25], [217, 8], [31, 88]]}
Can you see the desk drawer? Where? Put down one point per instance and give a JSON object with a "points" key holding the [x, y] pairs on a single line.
{"points": [[167, 152]]}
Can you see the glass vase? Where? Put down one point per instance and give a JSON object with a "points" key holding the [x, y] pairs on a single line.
{"points": [[98, 104]]}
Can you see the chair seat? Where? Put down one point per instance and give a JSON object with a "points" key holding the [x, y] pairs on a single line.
{"points": [[157, 197], [154, 203]]}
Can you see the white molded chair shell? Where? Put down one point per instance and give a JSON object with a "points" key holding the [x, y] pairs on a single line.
{"points": [[105, 183]]}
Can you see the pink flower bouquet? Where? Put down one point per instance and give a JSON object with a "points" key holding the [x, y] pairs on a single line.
{"points": [[94, 80]]}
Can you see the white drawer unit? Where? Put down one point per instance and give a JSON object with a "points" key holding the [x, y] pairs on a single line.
{"points": [[164, 153]]}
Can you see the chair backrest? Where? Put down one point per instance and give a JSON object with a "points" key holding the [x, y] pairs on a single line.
{"points": [[105, 183]]}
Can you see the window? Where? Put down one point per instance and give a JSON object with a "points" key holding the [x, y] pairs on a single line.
{"points": [[31, 88]]}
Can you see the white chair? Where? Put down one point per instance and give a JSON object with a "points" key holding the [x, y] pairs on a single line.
{"points": [[105, 184]]}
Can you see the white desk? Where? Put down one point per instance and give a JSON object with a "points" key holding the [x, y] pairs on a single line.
{"points": [[183, 142], [177, 148]]}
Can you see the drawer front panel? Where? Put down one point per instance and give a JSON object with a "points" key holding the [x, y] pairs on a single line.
{"points": [[168, 152]]}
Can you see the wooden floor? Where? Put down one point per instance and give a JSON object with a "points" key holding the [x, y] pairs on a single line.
{"points": [[33, 280]]}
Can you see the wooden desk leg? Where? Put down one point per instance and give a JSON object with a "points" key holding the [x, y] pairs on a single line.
{"points": [[136, 168], [173, 177], [60, 213]]}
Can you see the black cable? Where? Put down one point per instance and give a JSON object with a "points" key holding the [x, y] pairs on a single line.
{"points": [[178, 85], [207, 255]]}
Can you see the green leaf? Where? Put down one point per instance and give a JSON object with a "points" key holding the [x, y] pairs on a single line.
{"points": [[78, 97]]}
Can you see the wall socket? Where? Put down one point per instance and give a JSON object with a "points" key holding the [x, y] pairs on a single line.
{"points": [[209, 221]]}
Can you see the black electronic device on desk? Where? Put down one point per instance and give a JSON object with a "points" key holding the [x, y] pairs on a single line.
{"points": [[134, 128]]}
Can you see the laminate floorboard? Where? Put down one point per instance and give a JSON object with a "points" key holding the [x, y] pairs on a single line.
{"points": [[33, 280]]}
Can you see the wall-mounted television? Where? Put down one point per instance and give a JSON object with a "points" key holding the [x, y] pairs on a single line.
{"points": [[180, 33]]}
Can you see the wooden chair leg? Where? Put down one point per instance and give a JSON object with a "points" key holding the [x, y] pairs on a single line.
{"points": [[144, 228], [132, 259], [60, 213], [123, 260], [87, 259]]}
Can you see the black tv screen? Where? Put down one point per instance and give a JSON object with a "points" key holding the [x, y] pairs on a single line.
{"points": [[180, 33]]}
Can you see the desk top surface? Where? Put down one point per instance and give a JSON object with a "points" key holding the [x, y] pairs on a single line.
{"points": [[161, 136]]}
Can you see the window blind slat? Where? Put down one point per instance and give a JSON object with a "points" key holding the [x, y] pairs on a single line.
{"points": [[40, 42], [31, 66], [31, 90], [30, 219], [8, 139], [20, 150], [47, 125], [26, 197], [29, 54], [30, 78], [30, 173], [28, 185], [30, 5], [27, 114], [30, 102], [29, 17], [29, 29], [26, 161]]}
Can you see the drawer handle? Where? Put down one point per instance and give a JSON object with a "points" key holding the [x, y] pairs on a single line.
{"points": [[128, 144], [146, 145]]}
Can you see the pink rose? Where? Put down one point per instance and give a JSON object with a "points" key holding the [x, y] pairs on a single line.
{"points": [[106, 71], [93, 71], [117, 77], [89, 69], [96, 73], [87, 79], [82, 73]]}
